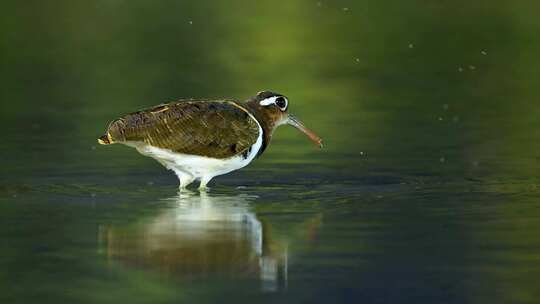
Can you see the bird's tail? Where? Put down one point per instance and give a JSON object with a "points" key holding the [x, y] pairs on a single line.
{"points": [[114, 134], [105, 139]]}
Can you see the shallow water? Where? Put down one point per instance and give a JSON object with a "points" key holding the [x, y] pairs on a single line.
{"points": [[427, 189]]}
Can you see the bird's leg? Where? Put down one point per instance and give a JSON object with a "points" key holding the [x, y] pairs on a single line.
{"points": [[185, 179], [204, 182]]}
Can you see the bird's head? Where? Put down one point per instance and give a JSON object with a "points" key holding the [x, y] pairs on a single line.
{"points": [[271, 109]]}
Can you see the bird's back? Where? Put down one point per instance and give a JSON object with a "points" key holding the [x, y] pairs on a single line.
{"points": [[217, 129]]}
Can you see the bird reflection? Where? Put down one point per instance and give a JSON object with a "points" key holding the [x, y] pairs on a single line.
{"points": [[199, 236]]}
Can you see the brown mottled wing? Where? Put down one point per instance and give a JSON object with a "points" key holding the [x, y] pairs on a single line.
{"points": [[208, 128]]}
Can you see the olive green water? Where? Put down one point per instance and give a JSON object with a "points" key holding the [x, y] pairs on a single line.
{"points": [[427, 190]]}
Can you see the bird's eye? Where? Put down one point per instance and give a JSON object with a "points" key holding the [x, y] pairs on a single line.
{"points": [[281, 102]]}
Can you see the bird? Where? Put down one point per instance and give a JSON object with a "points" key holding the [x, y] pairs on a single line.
{"points": [[200, 139]]}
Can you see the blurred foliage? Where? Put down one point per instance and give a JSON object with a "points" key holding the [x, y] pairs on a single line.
{"points": [[397, 80]]}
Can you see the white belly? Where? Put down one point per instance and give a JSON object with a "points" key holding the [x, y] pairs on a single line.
{"points": [[199, 167]]}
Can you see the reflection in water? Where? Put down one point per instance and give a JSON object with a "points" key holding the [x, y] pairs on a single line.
{"points": [[199, 236]]}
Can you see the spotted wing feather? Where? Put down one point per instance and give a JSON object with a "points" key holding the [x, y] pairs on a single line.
{"points": [[207, 128]]}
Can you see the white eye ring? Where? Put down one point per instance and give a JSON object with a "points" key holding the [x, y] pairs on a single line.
{"points": [[272, 100]]}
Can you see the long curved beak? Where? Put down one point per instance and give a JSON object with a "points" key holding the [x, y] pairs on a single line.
{"points": [[293, 121]]}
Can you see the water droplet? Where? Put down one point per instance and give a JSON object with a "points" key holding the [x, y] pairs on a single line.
{"points": [[93, 195], [345, 9], [357, 59], [445, 106], [483, 52], [190, 22], [411, 45], [460, 69], [442, 159], [472, 67], [150, 183], [440, 118], [361, 152]]}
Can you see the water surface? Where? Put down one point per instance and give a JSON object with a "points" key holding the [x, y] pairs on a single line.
{"points": [[427, 189]]}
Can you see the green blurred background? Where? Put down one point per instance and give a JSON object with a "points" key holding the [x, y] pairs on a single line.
{"points": [[429, 111], [422, 80]]}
